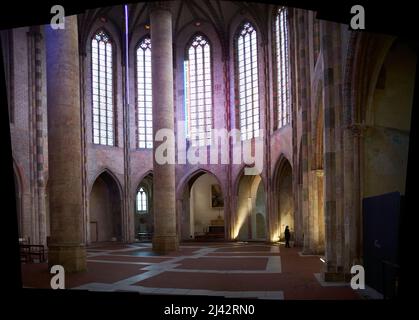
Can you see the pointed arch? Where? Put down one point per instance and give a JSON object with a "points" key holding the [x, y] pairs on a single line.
{"points": [[143, 207], [283, 199], [243, 14], [281, 163], [105, 208], [246, 53], [143, 93], [241, 174], [191, 176], [109, 173], [200, 198], [19, 195], [102, 77], [18, 178], [142, 200], [199, 89], [95, 20], [250, 218], [281, 68], [147, 175]]}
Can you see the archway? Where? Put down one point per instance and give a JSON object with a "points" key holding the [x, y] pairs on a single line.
{"points": [[298, 216], [143, 209], [386, 139], [18, 193], [284, 198], [203, 208], [251, 209], [384, 156], [105, 209]]}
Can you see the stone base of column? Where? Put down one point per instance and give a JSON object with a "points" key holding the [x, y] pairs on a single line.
{"points": [[71, 257], [336, 277], [165, 244], [312, 252], [334, 273]]}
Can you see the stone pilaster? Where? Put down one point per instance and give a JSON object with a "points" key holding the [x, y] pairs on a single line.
{"points": [[316, 227], [164, 200], [66, 245], [333, 163], [353, 136], [304, 90], [38, 123]]}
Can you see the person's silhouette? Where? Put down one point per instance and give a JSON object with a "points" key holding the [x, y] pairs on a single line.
{"points": [[287, 237]]}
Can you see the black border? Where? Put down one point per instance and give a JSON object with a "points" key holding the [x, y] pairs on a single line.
{"points": [[396, 19]]}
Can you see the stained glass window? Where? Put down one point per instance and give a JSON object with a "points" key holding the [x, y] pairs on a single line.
{"points": [[102, 89], [282, 68], [198, 91], [144, 95], [248, 82], [141, 200]]}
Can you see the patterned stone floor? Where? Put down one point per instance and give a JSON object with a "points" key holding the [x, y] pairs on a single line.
{"points": [[229, 269]]}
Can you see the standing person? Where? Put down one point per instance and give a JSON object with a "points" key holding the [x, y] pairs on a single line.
{"points": [[287, 237]]}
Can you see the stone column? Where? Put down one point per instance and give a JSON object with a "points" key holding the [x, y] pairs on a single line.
{"points": [[38, 126], [165, 236], [304, 89], [334, 219], [66, 245], [320, 199], [314, 213], [353, 136]]}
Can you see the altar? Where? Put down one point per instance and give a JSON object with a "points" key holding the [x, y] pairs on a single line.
{"points": [[215, 230]]}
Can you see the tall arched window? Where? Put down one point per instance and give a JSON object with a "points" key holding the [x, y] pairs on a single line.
{"points": [[248, 82], [198, 90], [102, 89], [142, 200], [282, 68], [144, 95]]}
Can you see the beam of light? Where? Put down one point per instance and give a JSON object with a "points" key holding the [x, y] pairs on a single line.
{"points": [[275, 236], [126, 55]]}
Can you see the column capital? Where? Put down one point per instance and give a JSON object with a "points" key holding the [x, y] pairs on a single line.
{"points": [[319, 172], [358, 129], [35, 31], [159, 5]]}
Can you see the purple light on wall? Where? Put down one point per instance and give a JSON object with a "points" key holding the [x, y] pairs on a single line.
{"points": [[126, 56]]}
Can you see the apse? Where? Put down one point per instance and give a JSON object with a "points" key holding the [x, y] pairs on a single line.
{"points": [[204, 215]]}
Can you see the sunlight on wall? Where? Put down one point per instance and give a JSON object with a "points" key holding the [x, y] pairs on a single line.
{"points": [[246, 207]]}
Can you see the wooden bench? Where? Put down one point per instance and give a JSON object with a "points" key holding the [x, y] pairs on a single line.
{"points": [[144, 236], [31, 252], [213, 233]]}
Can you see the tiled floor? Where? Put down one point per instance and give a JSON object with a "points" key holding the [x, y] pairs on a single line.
{"points": [[247, 270]]}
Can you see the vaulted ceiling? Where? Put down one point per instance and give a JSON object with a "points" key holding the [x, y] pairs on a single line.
{"points": [[218, 13]]}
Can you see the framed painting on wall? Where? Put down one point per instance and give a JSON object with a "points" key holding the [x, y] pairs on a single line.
{"points": [[217, 200]]}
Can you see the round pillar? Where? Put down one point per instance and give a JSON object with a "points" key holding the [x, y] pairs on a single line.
{"points": [[165, 237], [65, 245]]}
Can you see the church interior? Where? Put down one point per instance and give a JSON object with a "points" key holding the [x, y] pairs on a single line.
{"points": [[325, 110]]}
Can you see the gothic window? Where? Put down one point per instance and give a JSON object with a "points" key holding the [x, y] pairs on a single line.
{"points": [[198, 91], [144, 95], [282, 68], [248, 82], [141, 201], [102, 89]]}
